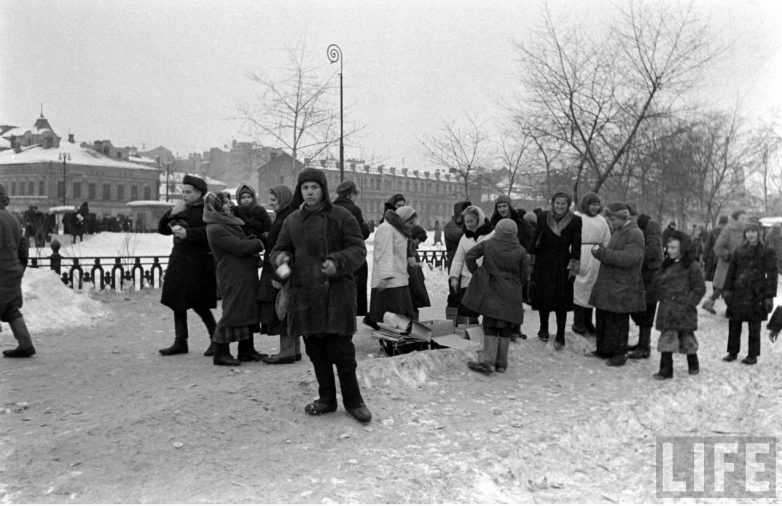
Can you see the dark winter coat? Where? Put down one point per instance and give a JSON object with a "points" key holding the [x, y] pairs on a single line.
{"points": [[256, 220], [237, 273], [774, 241], [13, 258], [751, 279], [266, 292], [653, 257], [681, 289], [362, 273], [454, 231], [553, 287], [496, 287], [318, 303], [619, 287], [709, 257], [190, 277]]}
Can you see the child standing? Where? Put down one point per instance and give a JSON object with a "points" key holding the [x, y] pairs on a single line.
{"points": [[681, 289], [750, 288], [495, 292]]}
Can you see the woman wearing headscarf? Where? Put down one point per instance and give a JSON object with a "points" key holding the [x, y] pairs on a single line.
{"points": [[390, 292], [594, 230], [290, 346], [477, 228], [237, 280], [557, 250]]}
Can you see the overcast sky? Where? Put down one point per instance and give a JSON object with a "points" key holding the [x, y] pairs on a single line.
{"points": [[163, 72]]}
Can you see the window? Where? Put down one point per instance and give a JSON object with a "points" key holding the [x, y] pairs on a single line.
{"points": [[41, 188], [13, 188], [120, 192], [92, 190], [134, 192], [76, 190], [60, 192], [31, 188], [147, 193], [106, 192]]}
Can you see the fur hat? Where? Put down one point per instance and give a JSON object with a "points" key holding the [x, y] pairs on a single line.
{"points": [[503, 199], [752, 225], [618, 209], [506, 229], [196, 182], [310, 175], [346, 188], [406, 213], [3, 197]]}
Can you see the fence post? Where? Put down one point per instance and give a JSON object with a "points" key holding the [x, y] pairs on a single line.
{"points": [[55, 258]]}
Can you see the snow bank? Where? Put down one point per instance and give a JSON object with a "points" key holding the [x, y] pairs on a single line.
{"points": [[50, 305]]}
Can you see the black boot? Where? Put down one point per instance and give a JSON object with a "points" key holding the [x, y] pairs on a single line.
{"points": [[327, 390], [25, 347], [223, 355], [588, 325], [210, 351], [666, 367], [579, 327], [692, 364], [641, 350], [211, 325], [180, 335], [351, 394], [248, 353]]}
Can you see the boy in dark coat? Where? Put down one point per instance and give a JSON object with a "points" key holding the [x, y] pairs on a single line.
{"points": [[347, 193], [323, 246], [681, 288], [190, 281], [495, 291], [650, 273], [256, 220], [13, 260], [236, 265], [750, 288], [619, 289]]}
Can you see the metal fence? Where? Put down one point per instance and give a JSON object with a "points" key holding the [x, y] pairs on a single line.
{"points": [[117, 272]]}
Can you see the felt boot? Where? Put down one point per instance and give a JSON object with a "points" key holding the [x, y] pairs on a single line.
{"points": [[327, 390], [223, 355], [641, 350], [25, 347], [692, 364], [666, 367], [351, 394], [247, 351], [180, 335]]}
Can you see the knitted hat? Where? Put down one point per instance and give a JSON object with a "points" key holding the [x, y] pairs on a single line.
{"points": [[406, 213], [310, 175], [3, 197], [503, 199], [506, 229], [618, 209], [196, 182], [531, 217], [346, 188]]}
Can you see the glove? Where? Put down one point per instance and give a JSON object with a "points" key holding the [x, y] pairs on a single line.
{"points": [[768, 305]]}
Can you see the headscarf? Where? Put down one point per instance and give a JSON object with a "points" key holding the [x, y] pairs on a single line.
{"points": [[506, 231], [214, 210], [245, 188], [558, 223], [587, 200], [283, 194], [477, 213], [688, 253]]}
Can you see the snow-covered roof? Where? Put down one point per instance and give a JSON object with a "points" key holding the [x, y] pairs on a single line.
{"points": [[149, 203], [142, 159], [78, 156], [332, 165], [15, 131], [176, 178]]}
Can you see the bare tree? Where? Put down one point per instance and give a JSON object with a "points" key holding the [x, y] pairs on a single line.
{"points": [[593, 95], [460, 149], [766, 145], [293, 109]]}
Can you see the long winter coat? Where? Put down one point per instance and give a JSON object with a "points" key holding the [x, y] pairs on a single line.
{"points": [[750, 280], [454, 231], [553, 289], [594, 230], [319, 303], [458, 268], [653, 257], [362, 273], [267, 292], [13, 258], [496, 287], [681, 289], [525, 232], [619, 287], [729, 239], [237, 273], [709, 257], [389, 257], [190, 277]]}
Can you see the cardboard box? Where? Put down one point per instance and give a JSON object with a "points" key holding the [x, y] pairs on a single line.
{"points": [[426, 330], [395, 323]]}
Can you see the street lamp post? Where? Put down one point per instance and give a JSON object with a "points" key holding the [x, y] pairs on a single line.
{"points": [[334, 54], [64, 157]]}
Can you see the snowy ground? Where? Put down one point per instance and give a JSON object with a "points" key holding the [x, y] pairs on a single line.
{"points": [[99, 416]]}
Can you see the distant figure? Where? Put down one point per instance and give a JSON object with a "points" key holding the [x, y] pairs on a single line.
{"points": [[709, 257], [729, 239], [438, 233]]}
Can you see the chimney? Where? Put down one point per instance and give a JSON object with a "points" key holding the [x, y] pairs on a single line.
{"points": [[71, 139], [307, 162]]}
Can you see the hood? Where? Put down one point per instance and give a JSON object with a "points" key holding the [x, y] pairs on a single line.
{"points": [[307, 175], [245, 188]]}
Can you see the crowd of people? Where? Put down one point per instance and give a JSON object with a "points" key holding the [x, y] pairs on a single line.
{"points": [[611, 262]]}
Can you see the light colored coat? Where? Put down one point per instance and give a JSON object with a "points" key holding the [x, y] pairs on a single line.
{"points": [[390, 257], [729, 239], [594, 230], [458, 265]]}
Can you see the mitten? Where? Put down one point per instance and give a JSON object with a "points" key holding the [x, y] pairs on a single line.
{"points": [[768, 305]]}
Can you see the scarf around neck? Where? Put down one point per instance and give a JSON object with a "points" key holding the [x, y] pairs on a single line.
{"points": [[395, 221], [558, 225]]}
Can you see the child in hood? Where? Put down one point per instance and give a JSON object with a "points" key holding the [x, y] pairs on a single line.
{"points": [[256, 220]]}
